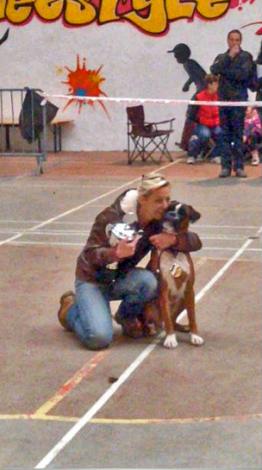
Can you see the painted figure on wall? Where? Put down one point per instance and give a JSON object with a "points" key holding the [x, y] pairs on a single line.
{"points": [[4, 37], [195, 72], [196, 75]]}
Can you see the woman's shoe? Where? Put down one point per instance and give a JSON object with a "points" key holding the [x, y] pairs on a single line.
{"points": [[66, 301], [130, 327]]}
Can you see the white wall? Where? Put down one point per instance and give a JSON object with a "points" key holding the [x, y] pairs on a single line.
{"points": [[134, 64]]}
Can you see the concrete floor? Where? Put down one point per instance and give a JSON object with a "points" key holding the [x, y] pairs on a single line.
{"points": [[186, 408]]}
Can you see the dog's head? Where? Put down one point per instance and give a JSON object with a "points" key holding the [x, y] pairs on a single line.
{"points": [[178, 217]]}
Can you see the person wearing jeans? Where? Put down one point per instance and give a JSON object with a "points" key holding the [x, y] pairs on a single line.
{"points": [[105, 272], [207, 121], [252, 134], [235, 68], [90, 316], [200, 138]]}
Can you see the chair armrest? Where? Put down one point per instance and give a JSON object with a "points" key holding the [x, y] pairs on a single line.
{"points": [[163, 122]]}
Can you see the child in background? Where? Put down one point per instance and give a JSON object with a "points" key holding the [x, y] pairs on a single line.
{"points": [[252, 133], [207, 122]]}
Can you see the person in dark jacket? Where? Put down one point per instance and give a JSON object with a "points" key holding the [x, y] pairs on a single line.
{"points": [[235, 69], [207, 122], [105, 272]]}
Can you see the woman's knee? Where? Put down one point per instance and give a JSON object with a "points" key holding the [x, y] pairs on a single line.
{"points": [[97, 340], [204, 134]]}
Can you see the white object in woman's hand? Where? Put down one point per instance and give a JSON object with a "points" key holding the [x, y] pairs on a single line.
{"points": [[125, 249]]}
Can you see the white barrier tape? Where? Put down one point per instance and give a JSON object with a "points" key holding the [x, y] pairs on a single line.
{"points": [[254, 104]]}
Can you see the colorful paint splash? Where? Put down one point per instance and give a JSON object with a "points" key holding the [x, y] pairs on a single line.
{"points": [[259, 31], [239, 3], [83, 82]]}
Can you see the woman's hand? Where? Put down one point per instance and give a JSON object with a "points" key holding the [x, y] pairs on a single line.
{"points": [[125, 249], [162, 241], [235, 49]]}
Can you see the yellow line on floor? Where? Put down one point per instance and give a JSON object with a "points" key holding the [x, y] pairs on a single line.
{"points": [[37, 417], [139, 421], [175, 420], [72, 383]]}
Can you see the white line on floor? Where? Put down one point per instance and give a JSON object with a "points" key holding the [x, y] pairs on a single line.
{"points": [[220, 248], [15, 221], [81, 206], [32, 242], [69, 232], [64, 233], [242, 227], [223, 237], [220, 273], [21, 243], [58, 186], [126, 374]]}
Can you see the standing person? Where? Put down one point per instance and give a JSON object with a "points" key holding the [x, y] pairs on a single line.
{"points": [[207, 121], [259, 80], [235, 68], [252, 134], [87, 312]]}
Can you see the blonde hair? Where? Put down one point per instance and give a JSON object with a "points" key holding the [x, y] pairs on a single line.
{"points": [[151, 181]]}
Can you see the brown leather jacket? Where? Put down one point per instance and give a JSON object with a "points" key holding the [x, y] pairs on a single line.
{"points": [[97, 254]]}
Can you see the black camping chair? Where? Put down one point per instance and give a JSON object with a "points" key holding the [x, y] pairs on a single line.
{"points": [[144, 139]]}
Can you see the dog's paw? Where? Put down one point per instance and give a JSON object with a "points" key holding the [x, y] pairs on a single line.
{"points": [[196, 340], [170, 341]]}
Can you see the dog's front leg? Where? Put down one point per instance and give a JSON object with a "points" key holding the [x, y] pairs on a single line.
{"points": [[151, 319], [195, 339], [170, 341]]}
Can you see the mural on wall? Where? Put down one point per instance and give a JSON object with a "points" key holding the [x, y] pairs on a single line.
{"points": [[84, 82], [4, 37], [150, 16], [195, 72], [259, 31]]}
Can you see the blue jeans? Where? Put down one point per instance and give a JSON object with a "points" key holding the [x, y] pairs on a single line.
{"points": [[201, 136], [90, 317], [232, 123]]}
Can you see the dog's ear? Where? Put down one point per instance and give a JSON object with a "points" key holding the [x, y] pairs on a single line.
{"points": [[193, 215], [172, 206]]}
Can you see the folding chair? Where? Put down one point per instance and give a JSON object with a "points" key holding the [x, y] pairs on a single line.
{"points": [[144, 139]]}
